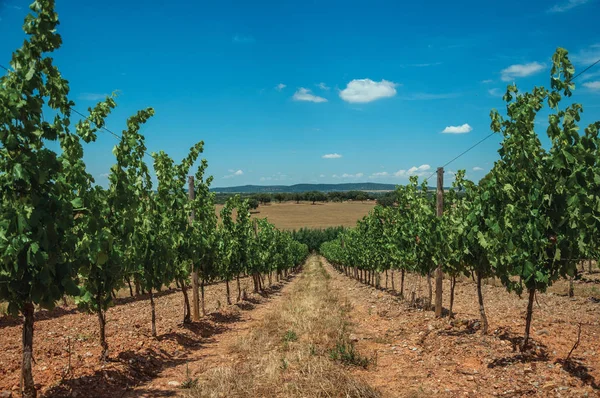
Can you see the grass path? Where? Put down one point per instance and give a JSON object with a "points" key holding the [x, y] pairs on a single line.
{"points": [[296, 346]]}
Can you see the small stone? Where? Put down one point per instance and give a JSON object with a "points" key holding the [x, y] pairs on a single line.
{"points": [[174, 383], [549, 386], [430, 327], [353, 337], [542, 332]]}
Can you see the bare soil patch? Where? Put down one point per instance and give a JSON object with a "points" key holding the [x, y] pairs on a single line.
{"points": [[421, 356], [66, 349]]}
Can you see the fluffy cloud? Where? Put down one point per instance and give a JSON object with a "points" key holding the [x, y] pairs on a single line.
{"points": [[586, 56], [104, 175], [323, 86], [521, 70], [495, 92], [487, 81], [380, 174], [567, 6], [418, 171], [280, 87], [304, 94], [322, 176], [477, 168], [357, 175], [588, 76], [332, 156], [279, 176], [366, 90], [595, 86], [234, 173], [465, 128]]}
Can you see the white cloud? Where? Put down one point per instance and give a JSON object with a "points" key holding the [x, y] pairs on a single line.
{"points": [[322, 176], [280, 87], [418, 171], [521, 70], [335, 176], [487, 81], [332, 156], [567, 6], [586, 56], [366, 90], [495, 92], [234, 173], [104, 175], [357, 175], [465, 128], [243, 39], [304, 94], [92, 96], [380, 174], [595, 86], [588, 76], [279, 176], [477, 168], [323, 86]]}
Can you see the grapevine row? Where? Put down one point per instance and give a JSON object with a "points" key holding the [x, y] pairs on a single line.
{"points": [[528, 222], [61, 234]]}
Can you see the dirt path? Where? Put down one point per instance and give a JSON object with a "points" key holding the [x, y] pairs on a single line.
{"points": [[66, 348], [420, 356], [214, 349], [296, 346]]}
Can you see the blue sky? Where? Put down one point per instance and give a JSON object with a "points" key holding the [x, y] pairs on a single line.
{"points": [[314, 91]]}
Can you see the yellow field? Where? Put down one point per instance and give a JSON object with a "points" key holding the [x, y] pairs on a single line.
{"points": [[289, 215]]}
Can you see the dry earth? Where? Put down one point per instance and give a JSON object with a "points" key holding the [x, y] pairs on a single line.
{"points": [[292, 215], [280, 345], [420, 356]]}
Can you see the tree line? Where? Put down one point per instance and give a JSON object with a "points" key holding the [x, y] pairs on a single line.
{"points": [[264, 198], [63, 235], [528, 222]]}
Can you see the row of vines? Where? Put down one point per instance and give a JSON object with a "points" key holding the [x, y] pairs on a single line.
{"points": [[528, 222], [63, 235]]}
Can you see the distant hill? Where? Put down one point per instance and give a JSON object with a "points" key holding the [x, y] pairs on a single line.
{"points": [[360, 186]]}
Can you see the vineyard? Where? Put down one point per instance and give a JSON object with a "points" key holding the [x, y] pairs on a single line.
{"points": [[63, 236], [140, 288]]}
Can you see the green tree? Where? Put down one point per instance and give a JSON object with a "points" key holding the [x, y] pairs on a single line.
{"points": [[37, 203], [538, 231], [104, 225]]}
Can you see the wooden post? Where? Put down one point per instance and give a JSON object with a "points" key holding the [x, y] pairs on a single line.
{"points": [[195, 297], [438, 271]]}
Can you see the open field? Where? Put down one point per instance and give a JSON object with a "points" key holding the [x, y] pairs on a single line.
{"points": [[289, 215]]}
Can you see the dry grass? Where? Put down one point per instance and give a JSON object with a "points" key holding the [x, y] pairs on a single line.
{"points": [[288, 353], [289, 215]]}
